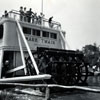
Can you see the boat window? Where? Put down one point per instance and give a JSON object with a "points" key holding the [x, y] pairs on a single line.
{"points": [[1, 31], [53, 35], [45, 34], [36, 32], [27, 30]]}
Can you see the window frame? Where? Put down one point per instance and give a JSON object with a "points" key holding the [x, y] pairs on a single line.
{"points": [[27, 29], [36, 32], [46, 35], [53, 35]]}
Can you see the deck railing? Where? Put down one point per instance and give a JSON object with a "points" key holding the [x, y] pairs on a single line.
{"points": [[42, 22]]}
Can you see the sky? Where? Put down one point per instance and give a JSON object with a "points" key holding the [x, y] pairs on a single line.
{"points": [[79, 18]]}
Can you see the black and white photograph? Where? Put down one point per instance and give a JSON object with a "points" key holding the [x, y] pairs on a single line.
{"points": [[49, 50]]}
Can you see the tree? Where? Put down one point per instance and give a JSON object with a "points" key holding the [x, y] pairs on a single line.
{"points": [[92, 55]]}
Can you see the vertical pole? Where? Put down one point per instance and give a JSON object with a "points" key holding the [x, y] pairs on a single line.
{"points": [[1, 61], [42, 6], [42, 23], [47, 94], [42, 12]]}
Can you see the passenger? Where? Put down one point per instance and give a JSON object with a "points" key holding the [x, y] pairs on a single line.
{"points": [[6, 13], [32, 18], [50, 22], [29, 15], [21, 13], [35, 18], [42, 17], [41, 14], [39, 18], [5, 68], [25, 18]]}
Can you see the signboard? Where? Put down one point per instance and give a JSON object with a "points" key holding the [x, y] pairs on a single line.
{"points": [[40, 40]]}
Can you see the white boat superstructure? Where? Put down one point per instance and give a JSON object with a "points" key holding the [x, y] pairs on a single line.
{"points": [[17, 40], [30, 47]]}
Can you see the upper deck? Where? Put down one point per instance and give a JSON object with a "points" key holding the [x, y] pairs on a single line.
{"points": [[38, 32], [37, 20]]}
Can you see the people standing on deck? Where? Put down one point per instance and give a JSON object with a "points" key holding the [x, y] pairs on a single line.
{"points": [[5, 68], [25, 18], [39, 19], [42, 18], [50, 22], [35, 18], [21, 13], [5, 13], [29, 14]]}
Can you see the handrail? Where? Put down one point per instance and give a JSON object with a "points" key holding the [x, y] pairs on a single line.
{"points": [[15, 14]]}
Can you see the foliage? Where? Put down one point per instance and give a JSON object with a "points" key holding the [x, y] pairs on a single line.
{"points": [[92, 55]]}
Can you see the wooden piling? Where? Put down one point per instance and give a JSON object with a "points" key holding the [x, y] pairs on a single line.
{"points": [[47, 93]]}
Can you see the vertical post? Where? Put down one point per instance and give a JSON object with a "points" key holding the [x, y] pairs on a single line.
{"points": [[42, 6], [47, 94], [1, 61], [42, 12]]}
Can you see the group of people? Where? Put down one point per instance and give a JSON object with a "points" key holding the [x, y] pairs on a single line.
{"points": [[30, 16]]}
